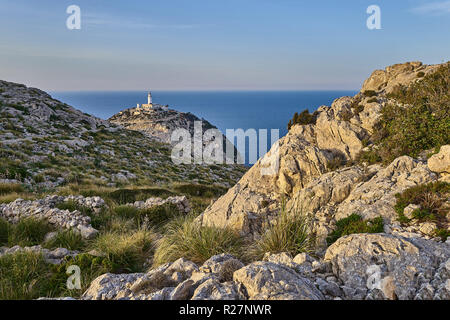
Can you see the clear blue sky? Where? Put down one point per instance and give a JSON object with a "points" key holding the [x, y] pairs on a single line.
{"points": [[210, 44]]}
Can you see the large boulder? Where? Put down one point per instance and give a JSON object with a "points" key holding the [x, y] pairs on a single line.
{"points": [[398, 74], [270, 281], [440, 163], [376, 197], [398, 267]]}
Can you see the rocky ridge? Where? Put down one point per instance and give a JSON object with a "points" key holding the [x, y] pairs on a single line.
{"points": [[306, 178], [46, 143]]}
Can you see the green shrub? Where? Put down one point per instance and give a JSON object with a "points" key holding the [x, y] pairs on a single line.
{"points": [[28, 232], [24, 275], [125, 252], [68, 239], [126, 211], [13, 170], [200, 190], [4, 231], [420, 74], [420, 121], [124, 196], [369, 93], [430, 197], [358, 109], [157, 215], [304, 118], [355, 224], [290, 233], [346, 115], [372, 100], [185, 238], [443, 234], [371, 157]]}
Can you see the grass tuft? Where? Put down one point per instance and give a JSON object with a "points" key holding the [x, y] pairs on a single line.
{"points": [[185, 238], [289, 233]]}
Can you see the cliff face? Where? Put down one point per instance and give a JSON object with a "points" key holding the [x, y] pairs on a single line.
{"points": [[158, 123], [306, 178]]}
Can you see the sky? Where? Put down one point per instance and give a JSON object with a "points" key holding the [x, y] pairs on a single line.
{"points": [[215, 45]]}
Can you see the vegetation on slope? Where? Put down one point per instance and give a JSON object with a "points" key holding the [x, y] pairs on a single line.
{"points": [[416, 120]]}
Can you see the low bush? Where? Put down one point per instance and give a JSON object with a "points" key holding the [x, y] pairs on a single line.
{"points": [[24, 275], [430, 197], [370, 157], [124, 196], [369, 93], [157, 216], [4, 231], [419, 120], [355, 224], [200, 190], [185, 238], [28, 232], [304, 118]]}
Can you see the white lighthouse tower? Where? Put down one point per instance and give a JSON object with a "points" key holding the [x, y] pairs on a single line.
{"points": [[149, 98]]}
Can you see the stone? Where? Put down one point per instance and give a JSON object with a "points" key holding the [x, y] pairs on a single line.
{"points": [[440, 162], [270, 281], [390, 263], [408, 211], [109, 286], [223, 266], [214, 290]]}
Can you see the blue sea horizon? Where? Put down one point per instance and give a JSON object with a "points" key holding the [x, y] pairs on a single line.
{"points": [[224, 109]]}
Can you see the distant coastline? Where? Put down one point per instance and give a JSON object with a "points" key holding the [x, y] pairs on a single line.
{"points": [[226, 109]]}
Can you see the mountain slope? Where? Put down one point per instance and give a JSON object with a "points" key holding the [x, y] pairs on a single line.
{"points": [[46, 143]]}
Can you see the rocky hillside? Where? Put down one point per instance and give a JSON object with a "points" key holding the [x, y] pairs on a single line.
{"points": [[46, 143], [158, 123], [358, 210], [322, 171]]}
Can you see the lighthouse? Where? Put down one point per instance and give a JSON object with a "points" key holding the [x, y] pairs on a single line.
{"points": [[149, 98]]}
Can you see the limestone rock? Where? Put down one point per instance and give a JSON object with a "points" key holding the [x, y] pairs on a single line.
{"points": [[223, 266], [440, 163], [392, 76], [394, 265], [214, 290], [270, 281], [376, 197]]}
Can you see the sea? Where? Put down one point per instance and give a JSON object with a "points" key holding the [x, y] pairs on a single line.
{"points": [[224, 109]]}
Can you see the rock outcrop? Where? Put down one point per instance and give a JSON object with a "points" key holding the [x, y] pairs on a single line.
{"points": [[440, 163], [399, 268], [46, 209], [359, 266], [307, 154]]}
